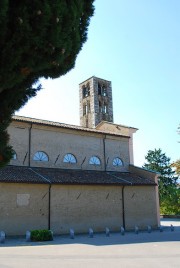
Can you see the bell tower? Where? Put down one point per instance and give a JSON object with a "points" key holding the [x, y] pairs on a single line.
{"points": [[95, 97]]}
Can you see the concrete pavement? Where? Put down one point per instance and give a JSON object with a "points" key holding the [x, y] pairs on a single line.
{"points": [[156, 249]]}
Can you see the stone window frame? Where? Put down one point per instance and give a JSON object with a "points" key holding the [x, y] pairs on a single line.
{"points": [[69, 159], [41, 156], [86, 108], [105, 108], [95, 160], [102, 90], [85, 91], [117, 162]]}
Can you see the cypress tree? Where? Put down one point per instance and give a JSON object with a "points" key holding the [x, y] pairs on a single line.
{"points": [[38, 38]]}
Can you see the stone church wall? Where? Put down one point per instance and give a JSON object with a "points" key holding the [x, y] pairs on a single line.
{"points": [[84, 207], [56, 142], [26, 207], [140, 207], [19, 140], [23, 207]]}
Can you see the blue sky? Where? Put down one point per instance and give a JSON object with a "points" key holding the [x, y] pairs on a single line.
{"points": [[136, 45]]}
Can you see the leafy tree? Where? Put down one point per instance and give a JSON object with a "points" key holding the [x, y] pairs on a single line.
{"points": [[176, 165], [171, 204], [159, 162], [38, 38]]}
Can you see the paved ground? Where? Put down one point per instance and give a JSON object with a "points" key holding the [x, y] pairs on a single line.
{"points": [[156, 249]]}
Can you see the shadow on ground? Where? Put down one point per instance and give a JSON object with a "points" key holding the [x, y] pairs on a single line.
{"points": [[100, 239]]}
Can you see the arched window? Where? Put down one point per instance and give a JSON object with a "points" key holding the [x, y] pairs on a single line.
{"points": [[117, 162], [94, 160], [14, 157], [41, 156], [85, 91], [104, 91], [69, 158]]}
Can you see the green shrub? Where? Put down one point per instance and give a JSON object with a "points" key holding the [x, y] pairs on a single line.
{"points": [[170, 204], [41, 235]]}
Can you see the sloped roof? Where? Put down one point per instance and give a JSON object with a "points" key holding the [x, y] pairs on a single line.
{"points": [[114, 124], [18, 174], [62, 125]]}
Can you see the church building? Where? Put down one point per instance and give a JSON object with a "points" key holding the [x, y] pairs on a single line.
{"points": [[67, 176]]}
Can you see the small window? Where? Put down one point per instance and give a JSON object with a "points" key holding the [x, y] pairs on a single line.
{"points": [[86, 91], [117, 162], [105, 109], [69, 158], [85, 109], [41, 156], [94, 160], [14, 157], [104, 91]]}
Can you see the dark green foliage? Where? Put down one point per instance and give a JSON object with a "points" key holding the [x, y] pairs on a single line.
{"points": [[170, 205], [41, 235], [159, 162], [38, 38]]}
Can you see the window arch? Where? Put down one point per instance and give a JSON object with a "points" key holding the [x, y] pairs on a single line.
{"points": [[14, 157], [69, 158], [41, 156], [102, 90], [94, 160], [117, 162], [86, 91]]}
